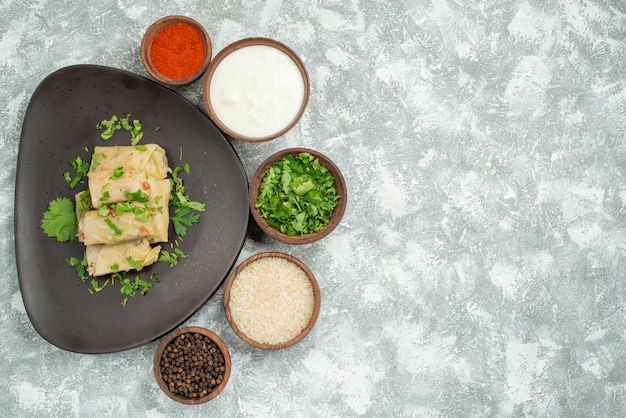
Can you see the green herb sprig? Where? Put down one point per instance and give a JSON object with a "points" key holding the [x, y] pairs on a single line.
{"points": [[59, 221]]}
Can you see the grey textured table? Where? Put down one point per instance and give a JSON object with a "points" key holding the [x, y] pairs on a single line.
{"points": [[479, 269]]}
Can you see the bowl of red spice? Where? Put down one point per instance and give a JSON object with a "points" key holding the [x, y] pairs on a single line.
{"points": [[192, 365], [176, 50], [272, 300]]}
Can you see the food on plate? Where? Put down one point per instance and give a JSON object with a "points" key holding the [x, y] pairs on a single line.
{"points": [[149, 160], [139, 217], [105, 259], [124, 210], [118, 186]]}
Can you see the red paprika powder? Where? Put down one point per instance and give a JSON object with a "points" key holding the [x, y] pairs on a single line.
{"points": [[177, 51]]}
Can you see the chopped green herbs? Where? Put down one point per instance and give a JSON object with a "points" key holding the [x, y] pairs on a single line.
{"points": [[105, 197], [114, 227], [136, 264], [117, 173], [96, 286], [179, 196], [109, 126], [297, 195], [138, 196], [95, 161], [115, 124], [81, 168], [141, 211], [59, 221], [172, 257], [80, 265], [131, 287]]}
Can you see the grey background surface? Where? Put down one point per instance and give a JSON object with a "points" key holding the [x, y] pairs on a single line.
{"points": [[479, 269]]}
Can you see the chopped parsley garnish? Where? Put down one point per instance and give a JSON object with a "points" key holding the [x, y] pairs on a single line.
{"points": [[81, 168], [59, 221], [115, 124], [297, 195], [114, 227], [142, 211], [109, 126], [95, 161], [117, 173], [172, 257], [130, 287], [105, 196], [96, 286], [138, 196], [80, 265], [179, 196], [136, 264]]}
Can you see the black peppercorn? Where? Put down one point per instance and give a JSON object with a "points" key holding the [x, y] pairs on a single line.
{"points": [[192, 365]]}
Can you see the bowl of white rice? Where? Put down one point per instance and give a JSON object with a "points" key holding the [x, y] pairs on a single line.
{"points": [[272, 300]]}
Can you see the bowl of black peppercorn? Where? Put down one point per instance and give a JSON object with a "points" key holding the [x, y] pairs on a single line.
{"points": [[192, 365]]}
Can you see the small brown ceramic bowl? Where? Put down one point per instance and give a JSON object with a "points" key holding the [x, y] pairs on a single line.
{"points": [[196, 339], [335, 218], [245, 108], [169, 71], [275, 298]]}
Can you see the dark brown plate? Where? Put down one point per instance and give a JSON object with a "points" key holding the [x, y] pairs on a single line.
{"points": [[60, 121]]}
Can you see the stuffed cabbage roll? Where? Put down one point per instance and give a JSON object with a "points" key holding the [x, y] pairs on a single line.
{"points": [[148, 160], [132, 255], [109, 187], [127, 221]]}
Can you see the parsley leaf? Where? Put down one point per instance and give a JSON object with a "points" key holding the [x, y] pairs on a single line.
{"points": [[117, 173], [59, 221], [184, 218]]}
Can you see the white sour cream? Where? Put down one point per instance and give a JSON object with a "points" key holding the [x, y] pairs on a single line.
{"points": [[257, 91]]}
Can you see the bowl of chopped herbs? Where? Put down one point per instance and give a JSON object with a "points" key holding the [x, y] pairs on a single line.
{"points": [[297, 196]]}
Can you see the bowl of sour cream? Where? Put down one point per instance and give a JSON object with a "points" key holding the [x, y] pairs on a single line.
{"points": [[256, 89]]}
